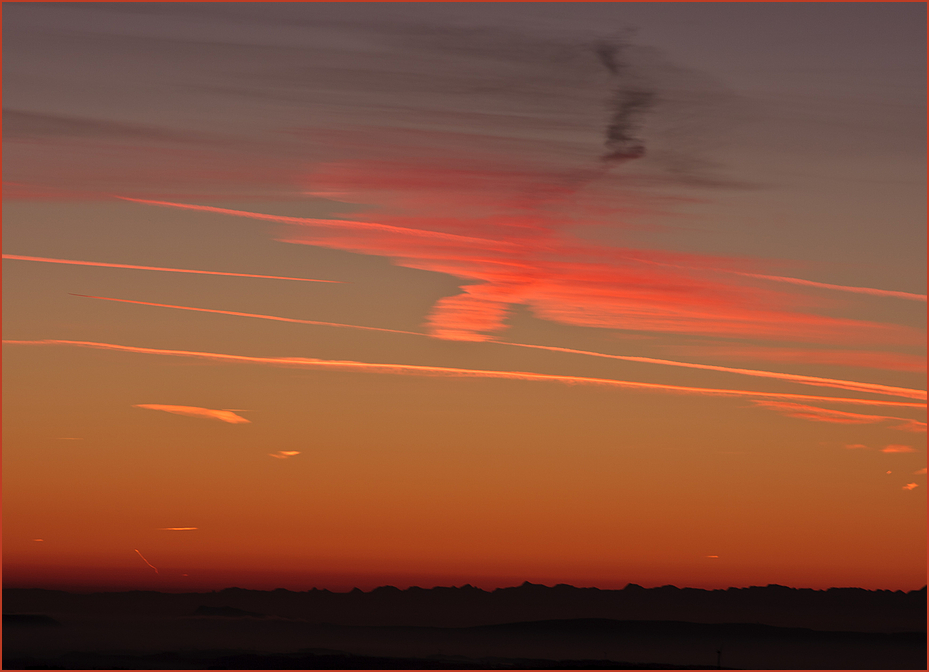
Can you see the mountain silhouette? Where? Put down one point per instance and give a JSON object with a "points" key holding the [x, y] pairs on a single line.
{"points": [[525, 627]]}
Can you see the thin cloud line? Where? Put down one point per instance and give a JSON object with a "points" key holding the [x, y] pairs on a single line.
{"points": [[842, 288], [255, 315], [337, 223], [874, 388], [175, 529], [328, 223], [422, 370], [796, 281], [75, 262], [146, 561]]}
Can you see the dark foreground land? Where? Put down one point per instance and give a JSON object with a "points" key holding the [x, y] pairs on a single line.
{"points": [[529, 627]]}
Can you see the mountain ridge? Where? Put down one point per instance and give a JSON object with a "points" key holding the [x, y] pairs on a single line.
{"points": [[837, 609]]}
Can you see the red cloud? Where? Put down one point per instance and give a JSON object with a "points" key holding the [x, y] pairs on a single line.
{"points": [[197, 412], [895, 448], [520, 252], [804, 412]]}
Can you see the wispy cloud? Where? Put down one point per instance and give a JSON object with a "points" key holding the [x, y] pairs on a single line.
{"points": [[856, 446], [842, 288], [819, 285], [921, 471], [284, 454], [794, 378], [805, 412], [869, 359], [897, 448], [329, 223], [528, 259], [176, 529], [197, 412], [910, 425], [910, 486], [442, 371], [73, 262], [29, 125]]}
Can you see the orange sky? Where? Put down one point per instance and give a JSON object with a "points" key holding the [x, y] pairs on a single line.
{"points": [[340, 307]]}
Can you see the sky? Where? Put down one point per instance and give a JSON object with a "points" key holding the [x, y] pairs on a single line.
{"points": [[342, 295]]}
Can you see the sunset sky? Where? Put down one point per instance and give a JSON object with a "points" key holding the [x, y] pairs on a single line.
{"points": [[345, 295]]}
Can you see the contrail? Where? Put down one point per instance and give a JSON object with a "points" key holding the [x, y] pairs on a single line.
{"points": [[444, 371], [851, 385], [795, 281], [255, 315], [175, 529], [424, 233], [816, 381], [158, 268], [842, 288], [146, 561], [329, 223]]}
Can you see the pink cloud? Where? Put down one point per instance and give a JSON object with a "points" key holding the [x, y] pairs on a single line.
{"points": [[513, 246], [896, 448], [197, 412]]}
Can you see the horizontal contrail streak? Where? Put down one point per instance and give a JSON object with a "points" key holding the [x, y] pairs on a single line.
{"points": [[330, 223], [424, 233], [157, 268], [256, 315], [842, 288], [850, 385], [175, 529], [795, 281], [414, 369]]}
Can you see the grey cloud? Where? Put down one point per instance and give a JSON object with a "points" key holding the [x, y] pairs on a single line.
{"points": [[25, 125]]}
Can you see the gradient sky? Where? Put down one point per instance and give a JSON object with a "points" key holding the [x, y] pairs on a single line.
{"points": [[707, 221]]}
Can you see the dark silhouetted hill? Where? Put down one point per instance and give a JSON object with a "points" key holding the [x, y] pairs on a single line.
{"points": [[838, 609]]}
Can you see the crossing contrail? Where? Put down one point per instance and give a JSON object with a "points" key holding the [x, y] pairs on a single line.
{"points": [[451, 372], [816, 381]]}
